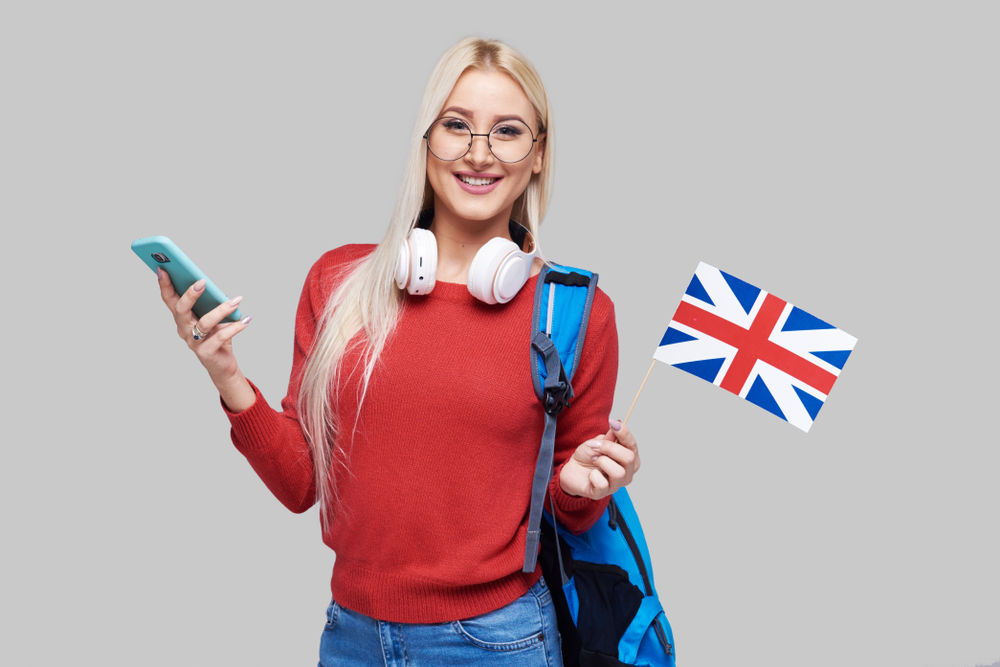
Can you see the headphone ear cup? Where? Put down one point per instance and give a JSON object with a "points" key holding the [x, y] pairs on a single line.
{"points": [[422, 264], [483, 272], [511, 275], [403, 264]]}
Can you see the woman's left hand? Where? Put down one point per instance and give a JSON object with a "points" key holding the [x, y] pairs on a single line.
{"points": [[601, 465]]}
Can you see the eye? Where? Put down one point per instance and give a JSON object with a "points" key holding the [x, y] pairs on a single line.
{"points": [[455, 125], [509, 130]]}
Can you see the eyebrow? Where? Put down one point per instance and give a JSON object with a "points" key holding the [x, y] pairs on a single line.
{"points": [[496, 119]]}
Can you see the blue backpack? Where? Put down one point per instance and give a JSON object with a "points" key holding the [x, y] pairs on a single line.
{"points": [[601, 581]]}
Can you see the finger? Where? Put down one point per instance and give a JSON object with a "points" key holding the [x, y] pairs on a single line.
{"points": [[587, 450], [622, 434], [618, 452], [616, 474], [216, 315], [187, 299], [167, 292], [225, 333], [602, 486]]}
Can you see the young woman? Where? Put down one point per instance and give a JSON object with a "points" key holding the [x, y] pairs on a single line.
{"points": [[410, 415]]}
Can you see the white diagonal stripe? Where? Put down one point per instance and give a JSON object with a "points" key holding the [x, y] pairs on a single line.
{"points": [[781, 384], [811, 340], [727, 306], [704, 347]]}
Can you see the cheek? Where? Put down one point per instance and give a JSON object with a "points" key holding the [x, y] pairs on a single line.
{"points": [[436, 175], [521, 178]]}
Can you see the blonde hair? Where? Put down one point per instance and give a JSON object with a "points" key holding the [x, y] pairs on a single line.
{"points": [[364, 309]]}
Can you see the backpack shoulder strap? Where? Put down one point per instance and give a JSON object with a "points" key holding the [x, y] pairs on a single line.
{"points": [[563, 298]]}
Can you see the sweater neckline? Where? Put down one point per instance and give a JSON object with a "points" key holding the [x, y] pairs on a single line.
{"points": [[459, 292]]}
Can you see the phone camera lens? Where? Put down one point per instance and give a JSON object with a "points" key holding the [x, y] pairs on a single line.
{"points": [[160, 257]]}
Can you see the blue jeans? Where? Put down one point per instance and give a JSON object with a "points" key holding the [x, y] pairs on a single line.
{"points": [[523, 633]]}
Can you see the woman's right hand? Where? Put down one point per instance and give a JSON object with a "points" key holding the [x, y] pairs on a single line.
{"points": [[215, 351]]}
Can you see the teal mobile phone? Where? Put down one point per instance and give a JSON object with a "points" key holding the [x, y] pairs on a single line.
{"points": [[159, 251]]}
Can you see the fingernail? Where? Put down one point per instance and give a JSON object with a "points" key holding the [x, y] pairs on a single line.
{"points": [[596, 446], [246, 320], [235, 300], [615, 424], [593, 459], [159, 273], [199, 286]]}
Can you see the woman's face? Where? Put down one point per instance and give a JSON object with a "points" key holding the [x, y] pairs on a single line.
{"points": [[482, 99]]}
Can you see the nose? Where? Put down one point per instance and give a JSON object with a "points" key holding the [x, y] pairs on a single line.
{"points": [[479, 153]]}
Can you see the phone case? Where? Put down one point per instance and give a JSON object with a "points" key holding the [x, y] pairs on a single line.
{"points": [[183, 273]]}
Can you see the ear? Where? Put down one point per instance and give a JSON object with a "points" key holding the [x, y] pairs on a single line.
{"points": [[539, 154]]}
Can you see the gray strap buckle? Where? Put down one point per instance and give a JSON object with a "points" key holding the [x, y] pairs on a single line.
{"points": [[558, 389]]}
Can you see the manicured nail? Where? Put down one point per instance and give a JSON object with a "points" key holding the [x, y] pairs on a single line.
{"points": [[246, 320], [199, 286], [159, 273], [596, 445], [235, 300], [593, 459], [615, 424]]}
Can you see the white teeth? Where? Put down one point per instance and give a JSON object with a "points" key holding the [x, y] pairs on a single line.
{"points": [[476, 181]]}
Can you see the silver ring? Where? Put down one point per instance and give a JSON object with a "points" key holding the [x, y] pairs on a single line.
{"points": [[198, 333]]}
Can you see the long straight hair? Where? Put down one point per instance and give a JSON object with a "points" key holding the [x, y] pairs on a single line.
{"points": [[364, 309]]}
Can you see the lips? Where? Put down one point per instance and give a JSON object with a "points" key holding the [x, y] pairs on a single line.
{"points": [[478, 184]]}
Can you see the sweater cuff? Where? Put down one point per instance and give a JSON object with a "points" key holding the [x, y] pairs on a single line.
{"points": [[575, 510], [254, 427]]}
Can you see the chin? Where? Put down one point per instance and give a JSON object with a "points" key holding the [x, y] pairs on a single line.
{"points": [[472, 207], [478, 213]]}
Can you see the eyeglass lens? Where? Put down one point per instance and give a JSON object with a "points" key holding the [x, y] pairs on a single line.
{"points": [[451, 138]]}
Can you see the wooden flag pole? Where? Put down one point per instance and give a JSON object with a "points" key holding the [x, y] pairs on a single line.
{"points": [[640, 391]]}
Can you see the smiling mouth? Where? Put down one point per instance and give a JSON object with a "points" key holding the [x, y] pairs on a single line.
{"points": [[476, 181]]}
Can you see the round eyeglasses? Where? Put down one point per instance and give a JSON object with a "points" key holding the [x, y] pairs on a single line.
{"points": [[451, 138]]}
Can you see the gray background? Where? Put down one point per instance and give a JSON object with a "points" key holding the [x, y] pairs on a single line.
{"points": [[843, 157]]}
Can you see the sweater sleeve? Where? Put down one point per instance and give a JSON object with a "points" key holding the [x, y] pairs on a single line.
{"points": [[272, 441], [588, 413]]}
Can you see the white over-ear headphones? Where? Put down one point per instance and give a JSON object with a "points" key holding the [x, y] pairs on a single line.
{"points": [[498, 271]]}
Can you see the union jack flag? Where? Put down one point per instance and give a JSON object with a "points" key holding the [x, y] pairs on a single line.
{"points": [[755, 345]]}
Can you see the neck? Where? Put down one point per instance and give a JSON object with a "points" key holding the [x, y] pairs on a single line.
{"points": [[458, 241]]}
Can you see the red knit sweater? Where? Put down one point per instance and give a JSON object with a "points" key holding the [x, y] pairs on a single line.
{"points": [[444, 452]]}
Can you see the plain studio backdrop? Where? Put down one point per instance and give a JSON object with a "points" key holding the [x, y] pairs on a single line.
{"points": [[844, 158]]}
